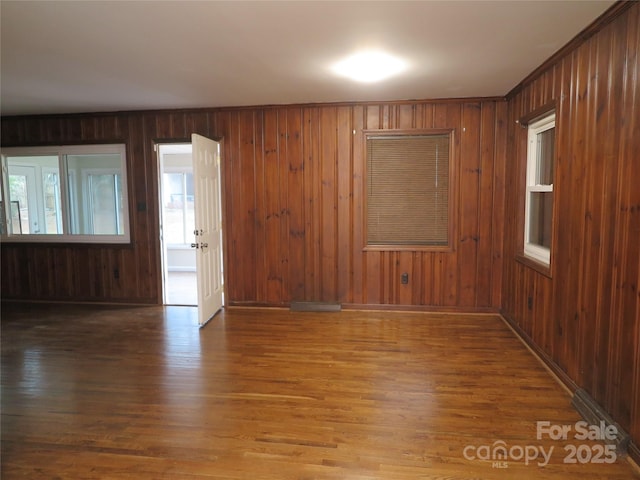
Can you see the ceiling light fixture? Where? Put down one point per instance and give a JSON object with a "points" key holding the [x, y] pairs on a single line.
{"points": [[369, 67]]}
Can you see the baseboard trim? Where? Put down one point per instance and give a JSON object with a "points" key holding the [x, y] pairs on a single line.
{"points": [[380, 307], [593, 413], [106, 303], [560, 375], [420, 308], [584, 404]]}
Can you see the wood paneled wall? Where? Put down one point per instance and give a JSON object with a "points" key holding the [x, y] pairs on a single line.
{"points": [[295, 207], [585, 318], [293, 196]]}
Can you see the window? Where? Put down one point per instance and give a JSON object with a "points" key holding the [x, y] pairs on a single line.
{"points": [[407, 178], [65, 194], [539, 190]]}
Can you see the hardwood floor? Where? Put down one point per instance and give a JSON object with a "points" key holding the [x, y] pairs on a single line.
{"points": [[140, 393], [182, 288]]}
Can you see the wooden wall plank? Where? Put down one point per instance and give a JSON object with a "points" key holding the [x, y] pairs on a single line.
{"points": [[144, 211], [427, 279], [328, 196], [469, 202], [197, 122], [344, 220], [296, 206], [285, 211], [312, 204], [268, 193], [258, 184], [403, 263], [246, 196], [359, 279], [498, 188]]}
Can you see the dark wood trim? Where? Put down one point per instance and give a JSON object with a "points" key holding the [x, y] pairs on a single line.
{"points": [[81, 302], [170, 141], [535, 265], [408, 248], [251, 304], [377, 132], [609, 15], [560, 374], [421, 308], [230, 108], [223, 219], [540, 112], [593, 413], [382, 307], [156, 174]]}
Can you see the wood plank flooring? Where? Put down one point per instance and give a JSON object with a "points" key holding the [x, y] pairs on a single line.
{"points": [[140, 393]]}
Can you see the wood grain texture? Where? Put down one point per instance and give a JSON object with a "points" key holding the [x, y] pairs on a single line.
{"points": [[106, 392], [586, 316], [294, 205]]}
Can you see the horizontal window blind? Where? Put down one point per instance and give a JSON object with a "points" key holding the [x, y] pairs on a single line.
{"points": [[408, 190]]}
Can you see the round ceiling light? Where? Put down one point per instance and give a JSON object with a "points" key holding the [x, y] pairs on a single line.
{"points": [[369, 67]]}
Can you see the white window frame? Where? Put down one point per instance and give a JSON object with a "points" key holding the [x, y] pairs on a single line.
{"points": [[535, 251], [61, 151]]}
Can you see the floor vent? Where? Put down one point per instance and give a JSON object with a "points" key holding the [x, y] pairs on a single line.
{"points": [[315, 307], [594, 415]]}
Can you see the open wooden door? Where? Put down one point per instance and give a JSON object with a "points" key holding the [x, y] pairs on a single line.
{"points": [[208, 226]]}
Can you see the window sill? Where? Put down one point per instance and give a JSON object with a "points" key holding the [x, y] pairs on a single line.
{"points": [[539, 267], [56, 240], [408, 248]]}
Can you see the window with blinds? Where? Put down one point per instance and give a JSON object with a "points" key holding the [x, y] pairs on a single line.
{"points": [[408, 190]]}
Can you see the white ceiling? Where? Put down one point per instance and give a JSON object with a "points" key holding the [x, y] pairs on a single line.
{"points": [[87, 56]]}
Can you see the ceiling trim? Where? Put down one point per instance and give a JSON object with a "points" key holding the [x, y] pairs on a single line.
{"points": [[254, 107]]}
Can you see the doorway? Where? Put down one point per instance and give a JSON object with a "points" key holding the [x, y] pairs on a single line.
{"points": [[177, 224]]}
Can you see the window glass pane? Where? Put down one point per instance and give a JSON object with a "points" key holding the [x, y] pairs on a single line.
{"points": [[16, 219], [95, 194], [34, 194], [540, 214], [103, 204], [18, 192], [545, 153]]}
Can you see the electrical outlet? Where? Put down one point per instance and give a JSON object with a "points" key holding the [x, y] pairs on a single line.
{"points": [[116, 273], [404, 278]]}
